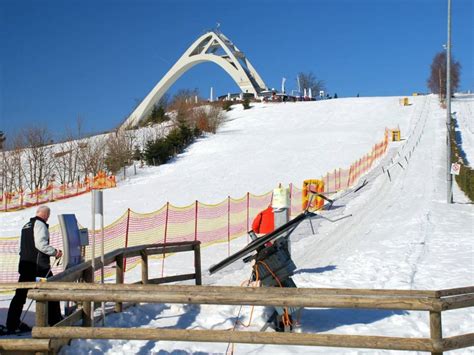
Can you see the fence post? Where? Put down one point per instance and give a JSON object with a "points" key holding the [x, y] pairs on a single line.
{"points": [[164, 241], [291, 199], [436, 330], [339, 185], [144, 262], [197, 262], [41, 314], [126, 239], [87, 310], [119, 278], [196, 221], [248, 214], [349, 178], [228, 225]]}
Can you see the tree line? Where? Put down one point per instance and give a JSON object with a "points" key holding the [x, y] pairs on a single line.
{"points": [[30, 161]]}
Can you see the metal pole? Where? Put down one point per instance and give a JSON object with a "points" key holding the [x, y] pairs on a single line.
{"points": [[448, 108], [93, 250], [102, 258]]}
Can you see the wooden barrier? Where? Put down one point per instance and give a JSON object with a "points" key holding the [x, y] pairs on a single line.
{"points": [[434, 302], [66, 280], [48, 339]]}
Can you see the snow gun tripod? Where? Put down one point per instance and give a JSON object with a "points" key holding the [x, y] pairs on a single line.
{"points": [[273, 266]]}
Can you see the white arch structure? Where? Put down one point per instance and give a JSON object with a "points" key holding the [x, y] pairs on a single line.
{"points": [[214, 47]]}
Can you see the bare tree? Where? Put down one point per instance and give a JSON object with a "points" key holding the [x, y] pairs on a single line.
{"points": [[184, 95], [207, 118], [66, 156], [66, 162], [2, 139], [91, 155], [38, 157], [310, 81], [13, 158], [437, 80], [119, 150]]}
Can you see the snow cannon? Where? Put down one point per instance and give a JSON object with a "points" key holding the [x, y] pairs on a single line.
{"points": [[272, 265]]}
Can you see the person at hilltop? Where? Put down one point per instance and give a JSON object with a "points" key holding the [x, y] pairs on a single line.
{"points": [[35, 253]]}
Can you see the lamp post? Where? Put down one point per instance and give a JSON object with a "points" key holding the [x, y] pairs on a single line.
{"points": [[449, 177]]}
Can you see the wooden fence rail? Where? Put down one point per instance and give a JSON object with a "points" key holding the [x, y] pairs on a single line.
{"points": [[433, 302], [64, 287], [67, 280]]}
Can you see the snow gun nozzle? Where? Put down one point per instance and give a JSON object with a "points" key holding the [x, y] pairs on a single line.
{"points": [[283, 231]]}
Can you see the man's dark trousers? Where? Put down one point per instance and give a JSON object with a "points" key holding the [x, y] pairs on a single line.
{"points": [[28, 273]]}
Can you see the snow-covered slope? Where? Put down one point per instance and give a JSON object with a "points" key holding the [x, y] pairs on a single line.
{"points": [[253, 151], [398, 230]]}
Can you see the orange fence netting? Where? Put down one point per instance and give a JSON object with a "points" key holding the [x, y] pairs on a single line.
{"points": [[221, 222], [13, 201]]}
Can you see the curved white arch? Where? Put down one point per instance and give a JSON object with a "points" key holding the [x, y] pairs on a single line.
{"points": [[204, 49]]}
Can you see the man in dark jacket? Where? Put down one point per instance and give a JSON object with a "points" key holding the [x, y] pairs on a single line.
{"points": [[35, 253]]}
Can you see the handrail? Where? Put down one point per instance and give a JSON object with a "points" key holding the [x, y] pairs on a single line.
{"points": [[261, 296], [289, 297]]}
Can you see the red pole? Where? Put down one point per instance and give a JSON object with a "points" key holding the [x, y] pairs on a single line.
{"points": [[248, 214], [164, 242], [126, 239], [196, 221]]}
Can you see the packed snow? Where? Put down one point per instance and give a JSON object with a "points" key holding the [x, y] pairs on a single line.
{"points": [[396, 232]]}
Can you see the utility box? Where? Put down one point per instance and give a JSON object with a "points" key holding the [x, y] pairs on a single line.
{"points": [[281, 209], [405, 101], [73, 240], [281, 198]]}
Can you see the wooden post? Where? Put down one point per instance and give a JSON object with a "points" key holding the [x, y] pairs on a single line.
{"points": [[144, 263], [88, 312], [436, 331], [197, 263], [41, 314], [119, 277]]}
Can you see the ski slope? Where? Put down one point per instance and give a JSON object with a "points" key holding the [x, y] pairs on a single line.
{"points": [[398, 231], [254, 151]]}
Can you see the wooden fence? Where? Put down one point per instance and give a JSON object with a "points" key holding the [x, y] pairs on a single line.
{"points": [[64, 287], [67, 280], [434, 302]]}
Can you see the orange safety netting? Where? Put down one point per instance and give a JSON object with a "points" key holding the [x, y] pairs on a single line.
{"points": [[341, 179], [221, 222], [13, 201]]}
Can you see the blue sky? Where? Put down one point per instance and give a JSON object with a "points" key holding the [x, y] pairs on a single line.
{"points": [[97, 59]]}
